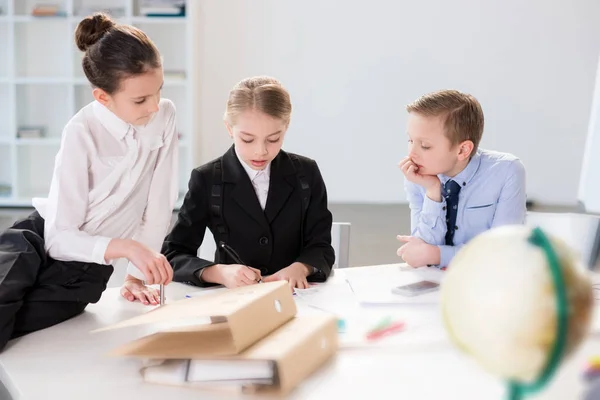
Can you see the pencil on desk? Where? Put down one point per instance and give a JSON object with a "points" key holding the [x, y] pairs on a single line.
{"points": [[350, 285], [393, 328]]}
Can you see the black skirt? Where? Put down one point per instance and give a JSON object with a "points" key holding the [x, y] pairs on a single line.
{"points": [[37, 291]]}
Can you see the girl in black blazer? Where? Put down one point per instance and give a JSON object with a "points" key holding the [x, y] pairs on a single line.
{"points": [[266, 208]]}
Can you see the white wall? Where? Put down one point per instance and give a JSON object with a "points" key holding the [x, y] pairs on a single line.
{"points": [[351, 66]]}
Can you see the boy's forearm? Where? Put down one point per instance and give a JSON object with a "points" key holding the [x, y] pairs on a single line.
{"points": [[427, 215], [435, 192], [434, 255], [429, 226], [447, 253]]}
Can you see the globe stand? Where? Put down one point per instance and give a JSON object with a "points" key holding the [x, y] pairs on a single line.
{"points": [[518, 390]]}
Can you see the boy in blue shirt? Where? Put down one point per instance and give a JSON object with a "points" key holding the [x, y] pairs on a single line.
{"points": [[455, 190]]}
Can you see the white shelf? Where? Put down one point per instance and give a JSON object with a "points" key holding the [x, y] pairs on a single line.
{"points": [[41, 47], [6, 127], [33, 110], [176, 81], [171, 39], [82, 81], [15, 202], [35, 169], [5, 51], [8, 201], [33, 18], [37, 142], [5, 166], [158, 20], [42, 80], [42, 84]]}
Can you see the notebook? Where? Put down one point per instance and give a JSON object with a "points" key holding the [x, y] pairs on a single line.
{"points": [[238, 372]]}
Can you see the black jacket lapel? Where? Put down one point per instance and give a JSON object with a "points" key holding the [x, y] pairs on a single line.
{"points": [[281, 184], [243, 192]]}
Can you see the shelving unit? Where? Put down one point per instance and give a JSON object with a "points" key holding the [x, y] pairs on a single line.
{"points": [[42, 85]]}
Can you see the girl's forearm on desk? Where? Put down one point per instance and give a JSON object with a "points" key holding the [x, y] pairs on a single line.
{"points": [[212, 274]]}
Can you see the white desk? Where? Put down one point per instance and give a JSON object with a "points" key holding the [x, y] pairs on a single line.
{"points": [[68, 362]]}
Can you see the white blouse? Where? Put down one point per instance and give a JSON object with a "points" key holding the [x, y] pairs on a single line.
{"points": [[260, 180], [111, 180]]}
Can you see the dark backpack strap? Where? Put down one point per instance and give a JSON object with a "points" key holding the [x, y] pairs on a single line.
{"points": [[216, 202], [305, 192], [304, 186]]}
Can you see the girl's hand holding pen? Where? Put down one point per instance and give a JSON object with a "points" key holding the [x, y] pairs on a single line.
{"points": [[236, 275]]}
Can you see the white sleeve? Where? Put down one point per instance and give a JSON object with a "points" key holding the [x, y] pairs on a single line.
{"points": [[67, 203], [163, 191]]}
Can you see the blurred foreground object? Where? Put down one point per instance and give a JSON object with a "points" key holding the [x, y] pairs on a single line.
{"points": [[517, 301]]}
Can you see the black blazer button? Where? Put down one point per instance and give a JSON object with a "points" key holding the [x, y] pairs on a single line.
{"points": [[264, 271], [263, 241]]}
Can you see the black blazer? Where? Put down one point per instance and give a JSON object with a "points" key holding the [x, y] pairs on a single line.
{"points": [[268, 240]]}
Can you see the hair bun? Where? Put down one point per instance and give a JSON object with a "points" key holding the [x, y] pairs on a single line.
{"points": [[91, 29]]}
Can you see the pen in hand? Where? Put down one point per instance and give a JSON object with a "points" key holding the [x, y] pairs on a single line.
{"points": [[236, 258]]}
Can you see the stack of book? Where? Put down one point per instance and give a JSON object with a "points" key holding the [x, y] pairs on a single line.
{"points": [[247, 339], [162, 8], [30, 132], [47, 10], [5, 190], [115, 12]]}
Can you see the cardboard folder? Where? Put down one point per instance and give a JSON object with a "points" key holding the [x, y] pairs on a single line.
{"points": [[221, 323], [244, 339], [275, 364]]}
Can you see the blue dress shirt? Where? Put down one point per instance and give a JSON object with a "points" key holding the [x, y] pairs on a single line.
{"points": [[492, 194]]}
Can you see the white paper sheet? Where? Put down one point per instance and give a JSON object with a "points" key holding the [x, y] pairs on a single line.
{"points": [[374, 286]]}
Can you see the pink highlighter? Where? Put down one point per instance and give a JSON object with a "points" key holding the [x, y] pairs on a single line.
{"points": [[385, 331]]}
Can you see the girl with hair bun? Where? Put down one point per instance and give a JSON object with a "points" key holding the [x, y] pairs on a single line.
{"points": [[112, 193]]}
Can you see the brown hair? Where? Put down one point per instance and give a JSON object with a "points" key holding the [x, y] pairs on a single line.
{"points": [[462, 112], [261, 93], [113, 51]]}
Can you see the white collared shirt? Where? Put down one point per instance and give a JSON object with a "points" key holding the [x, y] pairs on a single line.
{"points": [[260, 180], [111, 180]]}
